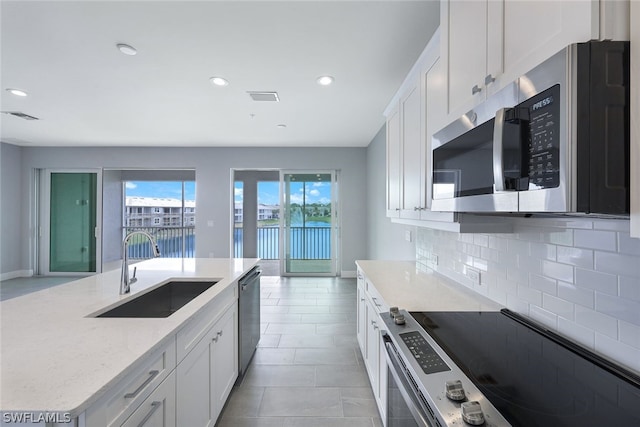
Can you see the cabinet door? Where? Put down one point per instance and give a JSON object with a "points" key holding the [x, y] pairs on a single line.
{"points": [[224, 360], [361, 331], [412, 154], [194, 401], [536, 30], [393, 164], [372, 358], [465, 44], [159, 409]]}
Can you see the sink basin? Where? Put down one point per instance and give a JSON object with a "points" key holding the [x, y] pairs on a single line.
{"points": [[160, 302]]}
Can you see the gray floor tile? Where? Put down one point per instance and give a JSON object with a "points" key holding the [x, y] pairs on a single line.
{"points": [[280, 376], [250, 422], [306, 341], [295, 329], [267, 340], [341, 376], [310, 309], [274, 309], [301, 402], [336, 329], [323, 318], [244, 402], [325, 356], [328, 422], [281, 318], [355, 407], [274, 356]]}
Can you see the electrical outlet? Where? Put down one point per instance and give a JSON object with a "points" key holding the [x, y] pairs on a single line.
{"points": [[474, 275], [434, 259]]}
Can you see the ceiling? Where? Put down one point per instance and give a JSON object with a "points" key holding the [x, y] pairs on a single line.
{"points": [[85, 92]]}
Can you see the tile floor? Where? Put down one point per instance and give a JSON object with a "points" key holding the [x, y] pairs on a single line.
{"points": [[307, 370]]}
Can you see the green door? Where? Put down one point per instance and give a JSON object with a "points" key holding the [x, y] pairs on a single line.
{"points": [[72, 222]]}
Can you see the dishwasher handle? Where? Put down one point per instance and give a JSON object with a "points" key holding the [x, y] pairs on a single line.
{"points": [[249, 277]]}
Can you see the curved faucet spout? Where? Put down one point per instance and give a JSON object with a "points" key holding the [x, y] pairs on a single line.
{"points": [[125, 282]]}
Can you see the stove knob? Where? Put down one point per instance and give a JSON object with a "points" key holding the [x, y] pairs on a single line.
{"points": [[454, 390], [393, 311], [399, 319], [472, 413]]}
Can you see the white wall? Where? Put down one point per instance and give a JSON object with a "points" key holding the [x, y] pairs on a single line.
{"points": [[213, 196], [11, 218], [385, 240], [111, 218]]}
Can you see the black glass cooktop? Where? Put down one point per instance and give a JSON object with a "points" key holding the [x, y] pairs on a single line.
{"points": [[533, 377]]}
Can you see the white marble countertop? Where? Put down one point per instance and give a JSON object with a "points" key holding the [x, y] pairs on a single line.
{"points": [[55, 358], [401, 284]]}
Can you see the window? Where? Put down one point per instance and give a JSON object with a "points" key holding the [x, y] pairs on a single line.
{"points": [[156, 221]]}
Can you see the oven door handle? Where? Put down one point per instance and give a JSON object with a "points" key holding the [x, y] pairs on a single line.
{"points": [[410, 398]]}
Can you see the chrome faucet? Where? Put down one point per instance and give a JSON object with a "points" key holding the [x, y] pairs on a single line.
{"points": [[125, 282]]}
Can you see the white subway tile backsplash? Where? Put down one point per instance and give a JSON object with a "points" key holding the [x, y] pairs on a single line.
{"points": [[576, 295], [580, 277], [619, 308], [618, 351], [629, 334], [576, 332], [575, 256], [619, 264], [602, 282], [595, 239], [599, 322], [543, 284], [629, 288], [558, 271], [628, 245], [558, 306]]}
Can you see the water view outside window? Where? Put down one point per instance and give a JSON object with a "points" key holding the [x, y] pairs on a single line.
{"points": [[167, 211]]}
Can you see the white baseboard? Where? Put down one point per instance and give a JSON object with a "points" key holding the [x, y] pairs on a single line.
{"points": [[14, 274], [348, 274]]}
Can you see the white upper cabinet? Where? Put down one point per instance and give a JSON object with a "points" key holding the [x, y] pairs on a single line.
{"points": [[394, 170], [489, 43], [413, 155]]}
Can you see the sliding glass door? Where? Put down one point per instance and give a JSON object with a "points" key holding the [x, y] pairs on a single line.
{"points": [[69, 235], [308, 226]]}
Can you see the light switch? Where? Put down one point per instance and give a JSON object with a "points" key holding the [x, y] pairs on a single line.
{"points": [[407, 235]]}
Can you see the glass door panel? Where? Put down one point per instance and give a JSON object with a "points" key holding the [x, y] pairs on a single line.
{"points": [[72, 222], [308, 223]]}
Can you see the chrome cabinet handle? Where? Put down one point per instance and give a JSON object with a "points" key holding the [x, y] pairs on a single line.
{"points": [[219, 333], [397, 209], [154, 407], [489, 79], [475, 90], [361, 299], [152, 375]]}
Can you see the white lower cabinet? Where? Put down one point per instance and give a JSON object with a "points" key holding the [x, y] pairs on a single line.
{"points": [[159, 409], [369, 326], [206, 375]]}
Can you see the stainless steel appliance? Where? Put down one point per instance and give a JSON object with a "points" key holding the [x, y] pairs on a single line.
{"points": [[498, 369], [554, 140], [248, 318]]}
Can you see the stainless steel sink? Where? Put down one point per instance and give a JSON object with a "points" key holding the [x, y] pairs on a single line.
{"points": [[162, 301]]}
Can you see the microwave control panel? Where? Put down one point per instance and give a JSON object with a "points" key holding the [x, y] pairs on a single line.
{"points": [[543, 140]]}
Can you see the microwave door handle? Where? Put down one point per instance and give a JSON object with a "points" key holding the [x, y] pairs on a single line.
{"points": [[498, 169]]}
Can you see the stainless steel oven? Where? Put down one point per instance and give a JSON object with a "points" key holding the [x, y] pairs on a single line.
{"points": [[554, 140], [458, 369]]}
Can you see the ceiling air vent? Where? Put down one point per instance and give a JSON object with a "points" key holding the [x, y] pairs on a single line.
{"points": [[264, 96], [19, 114]]}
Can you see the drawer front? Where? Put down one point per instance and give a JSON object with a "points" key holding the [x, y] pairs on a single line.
{"points": [[376, 299], [189, 336], [159, 409], [127, 395]]}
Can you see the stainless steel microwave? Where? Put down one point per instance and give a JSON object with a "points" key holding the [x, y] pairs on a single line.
{"points": [[555, 140]]}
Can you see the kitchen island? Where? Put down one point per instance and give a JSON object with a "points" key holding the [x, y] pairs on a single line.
{"points": [[58, 358]]}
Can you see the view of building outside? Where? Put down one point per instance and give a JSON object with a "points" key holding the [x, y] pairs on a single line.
{"points": [[167, 211]]}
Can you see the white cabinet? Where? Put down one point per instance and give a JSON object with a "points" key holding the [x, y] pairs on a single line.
{"points": [[207, 373], [361, 330], [489, 43], [370, 305], [120, 402], [159, 409], [394, 171]]}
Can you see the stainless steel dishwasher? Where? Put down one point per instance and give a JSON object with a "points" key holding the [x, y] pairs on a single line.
{"points": [[249, 317]]}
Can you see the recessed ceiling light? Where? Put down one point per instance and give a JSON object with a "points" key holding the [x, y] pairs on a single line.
{"points": [[219, 81], [17, 92], [281, 126], [324, 80], [126, 49]]}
